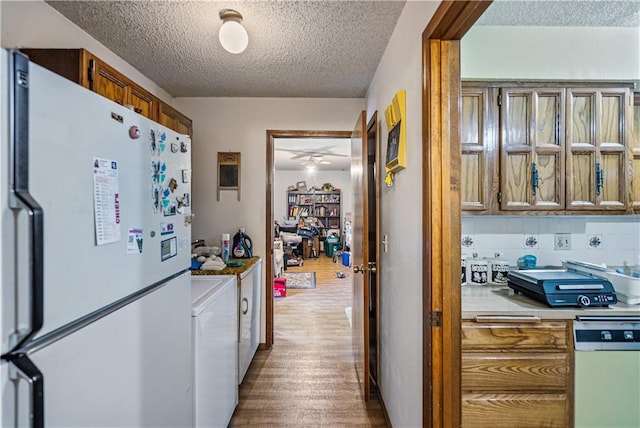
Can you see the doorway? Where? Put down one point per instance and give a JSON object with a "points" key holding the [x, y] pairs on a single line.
{"points": [[300, 155]]}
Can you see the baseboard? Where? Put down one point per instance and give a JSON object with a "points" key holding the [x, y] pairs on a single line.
{"points": [[384, 410], [263, 347]]}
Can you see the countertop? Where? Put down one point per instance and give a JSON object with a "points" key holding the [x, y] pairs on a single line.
{"points": [[229, 270], [497, 300]]}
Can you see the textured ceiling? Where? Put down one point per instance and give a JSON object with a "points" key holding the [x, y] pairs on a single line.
{"points": [[583, 13], [326, 49]]}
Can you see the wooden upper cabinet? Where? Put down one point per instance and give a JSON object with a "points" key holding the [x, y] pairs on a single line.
{"points": [[635, 154], [173, 119], [477, 154], [531, 149], [598, 129], [107, 82], [84, 68]]}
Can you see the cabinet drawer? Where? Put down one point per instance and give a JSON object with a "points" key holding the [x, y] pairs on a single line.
{"points": [[511, 372], [515, 411], [509, 337]]}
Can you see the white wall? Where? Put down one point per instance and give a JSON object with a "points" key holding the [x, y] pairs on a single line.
{"points": [[400, 377], [551, 53], [285, 178], [35, 24]]}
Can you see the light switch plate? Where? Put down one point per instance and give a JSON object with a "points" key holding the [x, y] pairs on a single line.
{"points": [[562, 241]]}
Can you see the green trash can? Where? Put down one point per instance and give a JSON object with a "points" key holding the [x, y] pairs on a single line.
{"points": [[332, 244]]}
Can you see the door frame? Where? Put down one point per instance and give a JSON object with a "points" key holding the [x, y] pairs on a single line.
{"points": [[270, 235], [441, 219]]}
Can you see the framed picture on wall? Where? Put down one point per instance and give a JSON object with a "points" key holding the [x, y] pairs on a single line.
{"points": [[228, 172], [393, 145]]}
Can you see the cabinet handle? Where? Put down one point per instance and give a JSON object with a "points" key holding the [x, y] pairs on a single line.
{"points": [[508, 318], [245, 304], [138, 110], [599, 178], [534, 179]]}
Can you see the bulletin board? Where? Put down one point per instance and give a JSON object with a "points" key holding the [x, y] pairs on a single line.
{"points": [[228, 172]]}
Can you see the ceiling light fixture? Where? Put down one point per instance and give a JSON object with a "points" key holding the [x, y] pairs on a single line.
{"points": [[233, 36]]}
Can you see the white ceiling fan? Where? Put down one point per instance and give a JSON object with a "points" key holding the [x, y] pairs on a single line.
{"points": [[314, 160]]}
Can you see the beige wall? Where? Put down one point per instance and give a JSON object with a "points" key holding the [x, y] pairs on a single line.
{"points": [[400, 377], [35, 24]]}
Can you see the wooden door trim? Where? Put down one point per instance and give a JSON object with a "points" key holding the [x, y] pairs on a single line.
{"points": [[441, 160], [268, 283]]}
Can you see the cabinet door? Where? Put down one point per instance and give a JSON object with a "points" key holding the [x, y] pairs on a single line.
{"points": [[635, 153], [142, 101], [173, 119], [597, 135], [477, 149], [107, 82], [532, 149]]}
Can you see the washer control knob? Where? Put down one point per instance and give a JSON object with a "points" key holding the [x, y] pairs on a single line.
{"points": [[605, 335], [584, 300]]}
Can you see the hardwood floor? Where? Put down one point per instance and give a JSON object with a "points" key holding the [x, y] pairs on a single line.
{"points": [[308, 377]]}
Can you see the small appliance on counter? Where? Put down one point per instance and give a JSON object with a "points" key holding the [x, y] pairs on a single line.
{"points": [[627, 286], [563, 288], [242, 245]]}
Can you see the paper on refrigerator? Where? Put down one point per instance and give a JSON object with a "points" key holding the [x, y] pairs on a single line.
{"points": [[106, 201]]}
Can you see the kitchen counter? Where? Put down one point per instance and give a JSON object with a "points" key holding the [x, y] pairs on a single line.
{"points": [[230, 270], [498, 300]]}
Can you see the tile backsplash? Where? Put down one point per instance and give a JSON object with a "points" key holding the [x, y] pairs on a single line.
{"points": [[614, 240]]}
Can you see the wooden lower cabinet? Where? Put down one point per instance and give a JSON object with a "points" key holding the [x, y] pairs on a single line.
{"points": [[517, 374], [515, 410]]}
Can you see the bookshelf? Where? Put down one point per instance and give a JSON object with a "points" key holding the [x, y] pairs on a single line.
{"points": [[325, 206]]}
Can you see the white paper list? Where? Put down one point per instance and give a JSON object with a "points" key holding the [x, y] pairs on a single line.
{"points": [[106, 201]]}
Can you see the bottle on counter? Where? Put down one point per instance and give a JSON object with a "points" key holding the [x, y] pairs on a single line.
{"points": [[225, 247], [477, 270], [498, 270]]}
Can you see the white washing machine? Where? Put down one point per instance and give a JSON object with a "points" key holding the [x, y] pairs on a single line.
{"points": [[214, 333]]}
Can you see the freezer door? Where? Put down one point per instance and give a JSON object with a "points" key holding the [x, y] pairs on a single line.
{"points": [[131, 368], [114, 188]]}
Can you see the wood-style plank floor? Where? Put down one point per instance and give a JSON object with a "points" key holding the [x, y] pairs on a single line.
{"points": [[308, 377]]}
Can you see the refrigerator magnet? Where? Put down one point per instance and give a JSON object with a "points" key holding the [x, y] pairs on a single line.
{"points": [[153, 145], [170, 209], [166, 228], [174, 148], [134, 241], [134, 132], [183, 147], [173, 185], [162, 142], [185, 175]]}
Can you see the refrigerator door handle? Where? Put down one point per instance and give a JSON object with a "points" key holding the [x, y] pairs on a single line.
{"points": [[31, 374], [22, 199]]}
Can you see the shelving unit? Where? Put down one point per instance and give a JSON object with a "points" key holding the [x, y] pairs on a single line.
{"points": [[325, 206]]}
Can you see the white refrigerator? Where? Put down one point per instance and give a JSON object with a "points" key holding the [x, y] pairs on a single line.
{"points": [[96, 303]]}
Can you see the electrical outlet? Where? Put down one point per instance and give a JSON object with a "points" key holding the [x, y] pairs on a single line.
{"points": [[562, 241]]}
